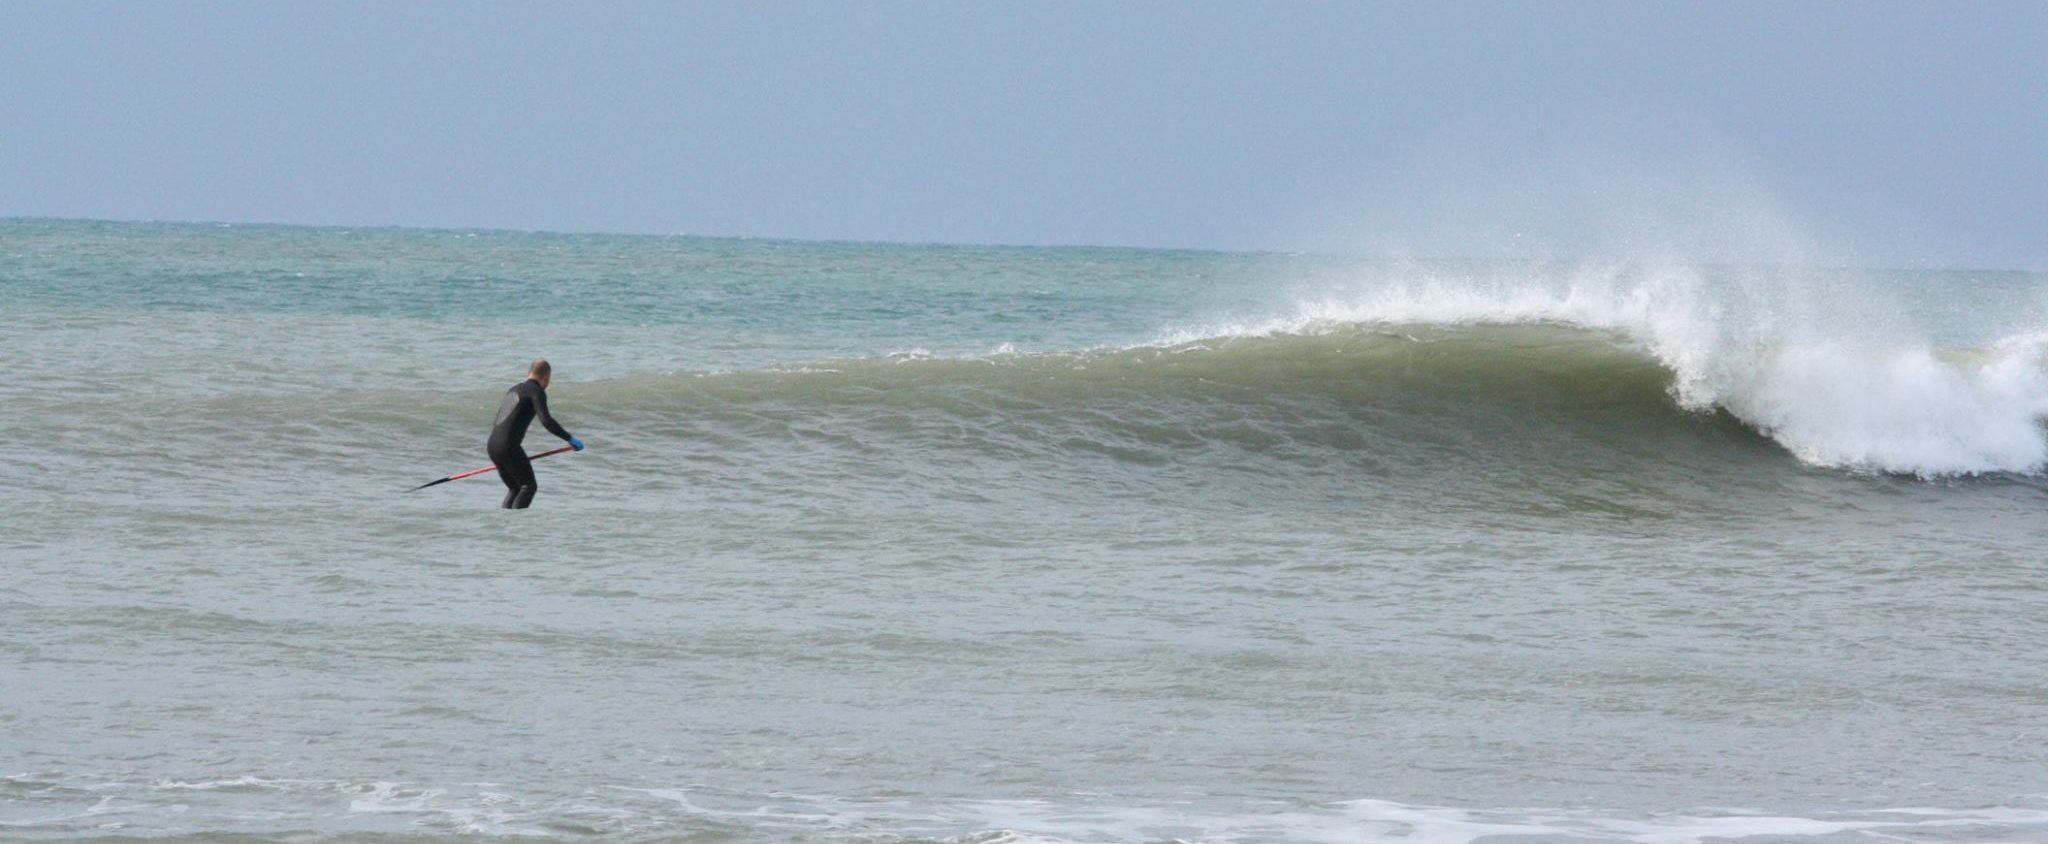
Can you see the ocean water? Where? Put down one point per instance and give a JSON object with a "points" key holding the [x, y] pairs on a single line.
{"points": [[928, 543]]}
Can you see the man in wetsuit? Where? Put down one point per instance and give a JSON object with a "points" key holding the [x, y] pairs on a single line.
{"points": [[526, 400]]}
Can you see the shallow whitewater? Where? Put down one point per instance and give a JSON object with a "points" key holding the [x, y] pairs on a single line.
{"points": [[931, 543], [225, 808]]}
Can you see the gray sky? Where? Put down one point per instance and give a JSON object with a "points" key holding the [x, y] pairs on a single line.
{"points": [[1862, 133]]}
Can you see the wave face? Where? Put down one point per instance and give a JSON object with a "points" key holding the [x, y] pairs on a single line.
{"points": [[1490, 378], [1385, 400], [1542, 398]]}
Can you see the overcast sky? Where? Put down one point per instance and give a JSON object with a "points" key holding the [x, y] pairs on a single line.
{"points": [[1861, 133]]}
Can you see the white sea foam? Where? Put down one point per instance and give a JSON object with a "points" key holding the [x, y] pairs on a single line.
{"points": [[491, 811], [1092, 820], [1827, 370]]}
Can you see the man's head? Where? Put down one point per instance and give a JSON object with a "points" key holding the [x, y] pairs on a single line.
{"points": [[539, 371]]}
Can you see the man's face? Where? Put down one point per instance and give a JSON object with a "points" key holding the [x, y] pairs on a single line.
{"points": [[543, 379]]}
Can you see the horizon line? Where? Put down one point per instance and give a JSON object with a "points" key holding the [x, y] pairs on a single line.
{"points": [[940, 244]]}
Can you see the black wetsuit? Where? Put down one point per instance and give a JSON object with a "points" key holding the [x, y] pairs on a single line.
{"points": [[522, 403]]}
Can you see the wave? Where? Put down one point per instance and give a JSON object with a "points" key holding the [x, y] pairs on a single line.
{"points": [[1606, 376], [1902, 409], [1837, 370], [1437, 394]]}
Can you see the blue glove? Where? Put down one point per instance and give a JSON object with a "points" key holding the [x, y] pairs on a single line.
{"points": [[576, 443]]}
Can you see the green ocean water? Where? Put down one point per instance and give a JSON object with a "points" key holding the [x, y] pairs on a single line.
{"points": [[898, 542]]}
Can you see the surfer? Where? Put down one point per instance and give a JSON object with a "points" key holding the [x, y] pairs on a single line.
{"points": [[526, 400]]}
